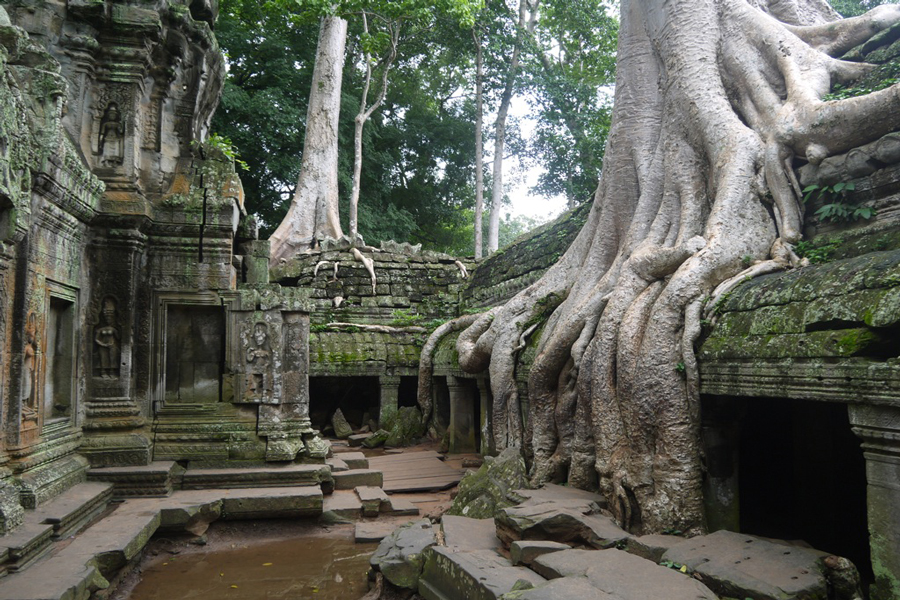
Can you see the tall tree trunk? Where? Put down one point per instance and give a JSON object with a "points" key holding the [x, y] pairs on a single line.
{"points": [[365, 112], [479, 142], [313, 214], [525, 25], [714, 99]]}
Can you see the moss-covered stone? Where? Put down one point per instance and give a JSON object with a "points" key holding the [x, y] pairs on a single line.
{"points": [[485, 491]]}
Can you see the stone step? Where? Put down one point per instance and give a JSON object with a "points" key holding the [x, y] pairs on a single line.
{"points": [[74, 508], [401, 507], [157, 479], [347, 480], [355, 460], [357, 440], [100, 551], [344, 503], [26, 544], [373, 500], [256, 477], [336, 465]]}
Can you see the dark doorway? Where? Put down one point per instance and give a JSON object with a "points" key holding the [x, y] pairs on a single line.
{"points": [[357, 397], [408, 393], [802, 477]]}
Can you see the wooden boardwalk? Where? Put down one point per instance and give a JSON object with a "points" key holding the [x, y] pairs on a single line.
{"points": [[415, 472]]}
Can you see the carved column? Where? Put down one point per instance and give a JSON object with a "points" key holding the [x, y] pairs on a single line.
{"points": [[114, 427], [389, 398], [879, 429], [462, 416]]}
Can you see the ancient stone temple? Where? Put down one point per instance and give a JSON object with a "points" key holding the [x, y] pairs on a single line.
{"points": [[144, 335]]}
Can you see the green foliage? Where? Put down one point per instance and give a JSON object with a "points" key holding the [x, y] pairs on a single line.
{"points": [[853, 8], [403, 317], [818, 250], [680, 368], [836, 207], [882, 77], [223, 145]]}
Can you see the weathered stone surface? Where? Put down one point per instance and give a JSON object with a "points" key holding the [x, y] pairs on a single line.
{"points": [[567, 588], [406, 427], [373, 500], [473, 575], [524, 553], [740, 566], [354, 460], [342, 429], [343, 503], [651, 547], [483, 492], [558, 524], [357, 439], [281, 503], [348, 480], [400, 556], [463, 533], [376, 439]]}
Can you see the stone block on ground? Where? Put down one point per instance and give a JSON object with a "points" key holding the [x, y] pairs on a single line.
{"points": [[355, 460], [473, 575], [560, 495], [550, 522], [374, 530], [463, 533], [400, 556], [622, 575], [401, 507], [567, 588], [374, 440], [373, 500], [146, 481], [744, 566], [347, 480], [524, 553], [256, 477], [343, 503], [483, 492], [652, 547], [406, 427], [26, 544], [357, 439], [272, 503], [342, 429], [337, 464]]}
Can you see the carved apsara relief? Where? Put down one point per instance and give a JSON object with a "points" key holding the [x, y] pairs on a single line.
{"points": [[107, 340]]}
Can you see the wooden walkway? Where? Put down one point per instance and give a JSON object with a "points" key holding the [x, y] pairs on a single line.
{"points": [[415, 472]]}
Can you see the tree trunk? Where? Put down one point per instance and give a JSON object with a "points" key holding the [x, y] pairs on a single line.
{"points": [[525, 25], [479, 143], [714, 99], [313, 214], [365, 112]]}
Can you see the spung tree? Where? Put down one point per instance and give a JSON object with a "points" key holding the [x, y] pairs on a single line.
{"points": [[313, 214], [715, 102]]}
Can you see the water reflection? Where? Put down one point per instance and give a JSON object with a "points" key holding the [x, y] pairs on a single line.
{"points": [[308, 567]]}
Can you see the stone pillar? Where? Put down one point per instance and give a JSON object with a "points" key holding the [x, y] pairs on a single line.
{"points": [[462, 416], [388, 399], [484, 423], [114, 426], [720, 434], [879, 429]]}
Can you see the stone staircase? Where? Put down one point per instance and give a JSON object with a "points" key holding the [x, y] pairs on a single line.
{"points": [[105, 523]]}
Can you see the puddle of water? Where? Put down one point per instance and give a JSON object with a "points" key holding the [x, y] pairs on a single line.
{"points": [[309, 567]]}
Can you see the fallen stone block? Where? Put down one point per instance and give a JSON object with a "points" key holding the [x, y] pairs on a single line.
{"points": [[622, 575], [744, 566], [400, 556], [342, 429], [567, 588], [524, 553], [373, 500], [357, 439], [651, 547], [463, 533], [550, 522], [376, 439], [473, 575]]}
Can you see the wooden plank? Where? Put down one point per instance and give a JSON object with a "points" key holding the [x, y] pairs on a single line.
{"points": [[415, 471]]}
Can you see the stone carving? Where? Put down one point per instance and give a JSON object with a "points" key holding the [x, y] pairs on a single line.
{"points": [[29, 370], [258, 354], [107, 341], [111, 146]]}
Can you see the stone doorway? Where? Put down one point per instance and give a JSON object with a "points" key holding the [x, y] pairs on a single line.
{"points": [[357, 397]]}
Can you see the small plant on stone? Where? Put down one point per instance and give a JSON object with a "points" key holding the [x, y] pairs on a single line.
{"points": [[836, 207], [818, 251], [403, 317]]}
